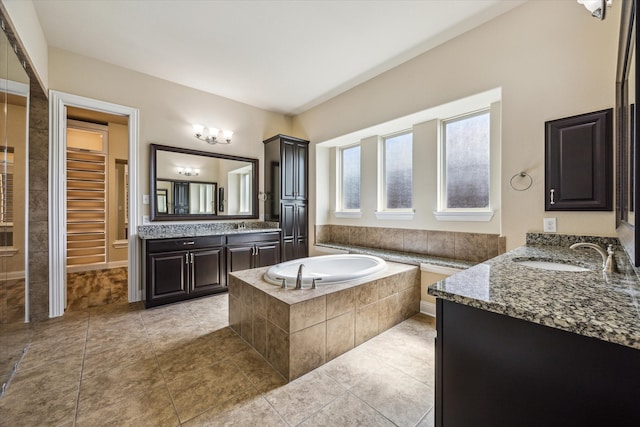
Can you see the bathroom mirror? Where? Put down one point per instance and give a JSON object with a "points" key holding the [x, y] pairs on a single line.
{"points": [[627, 179], [198, 185]]}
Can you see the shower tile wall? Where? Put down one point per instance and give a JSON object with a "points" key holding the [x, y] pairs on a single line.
{"points": [[474, 247]]}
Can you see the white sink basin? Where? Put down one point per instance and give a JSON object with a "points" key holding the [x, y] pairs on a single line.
{"points": [[550, 265]]}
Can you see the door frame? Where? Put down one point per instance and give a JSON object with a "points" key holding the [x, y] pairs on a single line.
{"points": [[58, 103]]}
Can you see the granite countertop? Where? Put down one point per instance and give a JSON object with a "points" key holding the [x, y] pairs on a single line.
{"points": [[401, 257], [592, 303], [167, 231]]}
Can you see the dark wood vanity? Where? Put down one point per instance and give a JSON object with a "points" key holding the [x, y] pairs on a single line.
{"points": [[177, 269]]}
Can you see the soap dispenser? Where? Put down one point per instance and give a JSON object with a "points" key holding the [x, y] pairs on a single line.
{"points": [[610, 265]]}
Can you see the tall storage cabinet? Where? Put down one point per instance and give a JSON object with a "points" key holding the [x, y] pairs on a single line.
{"points": [[286, 181]]}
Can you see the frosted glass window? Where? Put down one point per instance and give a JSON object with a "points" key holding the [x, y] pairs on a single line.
{"points": [[467, 145], [398, 171], [350, 173]]}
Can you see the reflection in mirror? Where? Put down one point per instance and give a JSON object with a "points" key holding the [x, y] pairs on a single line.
{"points": [[14, 95], [190, 184], [627, 134], [122, 184]]}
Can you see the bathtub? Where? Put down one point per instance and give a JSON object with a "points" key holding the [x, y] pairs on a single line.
{"points": [[330, 268]]}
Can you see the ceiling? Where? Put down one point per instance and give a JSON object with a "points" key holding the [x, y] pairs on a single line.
{"points": [[283, 56]]}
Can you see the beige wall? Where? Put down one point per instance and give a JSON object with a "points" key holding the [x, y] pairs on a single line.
{"points": [[551, 60], [118, 150], [167, 110]]}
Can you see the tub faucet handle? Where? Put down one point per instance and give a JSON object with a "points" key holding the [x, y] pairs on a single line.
{"points": [[284, 282], [313, 284]]}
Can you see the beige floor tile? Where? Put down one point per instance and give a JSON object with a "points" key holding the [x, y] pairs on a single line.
{"points": [[112, 355], [33, 405], [61, 374], [109, 386], [397, 396], [151, 407], [347, 411], [262, 375], [301, 398], [201, 389], [228, 341], [428, 420], [170, 339], [352, 367], [197, 354], [256, 411]]}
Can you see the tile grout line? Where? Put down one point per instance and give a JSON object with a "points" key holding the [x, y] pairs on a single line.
{"points": [[164, 379], [84, 354]]}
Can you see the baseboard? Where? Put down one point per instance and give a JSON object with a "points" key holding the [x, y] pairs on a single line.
{"points": [[428, 308]]}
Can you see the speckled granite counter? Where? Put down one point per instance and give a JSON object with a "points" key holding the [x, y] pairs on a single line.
{"points": [[592, 303], [167, 231], [401, 257]]}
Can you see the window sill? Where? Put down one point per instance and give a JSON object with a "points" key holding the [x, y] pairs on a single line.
{"points": [[348, 214], [7, 251], [478, 216], [391, 215]]}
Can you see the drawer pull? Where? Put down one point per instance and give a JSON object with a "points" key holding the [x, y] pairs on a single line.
{"points": [[188, 243], [551, 196]]}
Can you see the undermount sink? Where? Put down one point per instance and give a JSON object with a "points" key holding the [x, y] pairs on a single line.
{"points": [[544, 264]]}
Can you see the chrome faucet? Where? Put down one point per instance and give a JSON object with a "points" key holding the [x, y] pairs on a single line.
{"points": [[608, 262], [299, 277]]}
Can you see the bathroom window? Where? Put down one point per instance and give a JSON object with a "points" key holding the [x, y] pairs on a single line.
{"points": [[396, 177], [465, 163], [349, 191]]}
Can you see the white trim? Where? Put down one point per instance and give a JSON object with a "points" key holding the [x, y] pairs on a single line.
{"points": [[428, 308], [15, 88], [395, 215], [348, 214], [7, 251], [58, 101], [477, 216], [119, 244], [118, 264]]}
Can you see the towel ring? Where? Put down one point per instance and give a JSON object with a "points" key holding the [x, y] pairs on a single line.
{"points": [[521, 175]]}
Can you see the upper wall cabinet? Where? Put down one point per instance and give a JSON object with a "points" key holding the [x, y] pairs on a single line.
{"points": [[579, 163]]}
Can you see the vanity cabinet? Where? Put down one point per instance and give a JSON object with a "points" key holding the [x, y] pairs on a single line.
{"points": [[286, 182], [245, 251], [495, 370], [178, 269]]}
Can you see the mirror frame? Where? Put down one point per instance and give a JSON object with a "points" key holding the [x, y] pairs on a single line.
{"points": [[628, 233], [155, 216]]}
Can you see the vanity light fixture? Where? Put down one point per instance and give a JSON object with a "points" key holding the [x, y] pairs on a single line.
{"points": [[597, 8], [212, 135], [189, 171]]}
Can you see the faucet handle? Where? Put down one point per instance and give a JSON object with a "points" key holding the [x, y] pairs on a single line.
{"points": [[610, 250], [284, 282], [313, 284]]}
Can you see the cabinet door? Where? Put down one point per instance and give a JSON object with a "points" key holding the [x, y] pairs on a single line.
{"points": [[301, 220], [301, 249], [578, 164], [289, 249], [239, 257], [167, 276], [207, 271], [267, 253], [300, 160], [288, 170], [288, 220]]}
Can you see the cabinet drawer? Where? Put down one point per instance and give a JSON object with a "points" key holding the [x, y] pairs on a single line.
{"points": [[273, 236], [163, 245]]}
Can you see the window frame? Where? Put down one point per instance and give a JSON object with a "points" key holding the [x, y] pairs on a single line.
{"points": [[443, 212], [392, 213], [341, 212]]}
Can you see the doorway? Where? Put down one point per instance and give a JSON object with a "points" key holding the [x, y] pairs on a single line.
{"points": [[97, 213], [62, 105]]}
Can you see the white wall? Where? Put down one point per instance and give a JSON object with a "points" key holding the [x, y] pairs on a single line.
{"points": [[551, 59], [167, 110]]}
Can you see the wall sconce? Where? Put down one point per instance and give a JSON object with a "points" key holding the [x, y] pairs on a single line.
{"points": [[212, 135], [597, 8], [188, 171]]}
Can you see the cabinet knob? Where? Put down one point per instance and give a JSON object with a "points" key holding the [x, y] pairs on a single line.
{"points": [[552, 196]]}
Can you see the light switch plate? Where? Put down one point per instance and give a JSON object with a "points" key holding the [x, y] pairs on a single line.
{"points": [[145, 199], [549, 225], [145, 220]]}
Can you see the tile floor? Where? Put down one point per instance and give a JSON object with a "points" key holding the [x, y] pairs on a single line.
{"points": [[181, 365]]}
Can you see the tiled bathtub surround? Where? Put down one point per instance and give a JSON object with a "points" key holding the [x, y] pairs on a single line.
{"points": [[165, 231], [474, 247], [300, 330]]}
